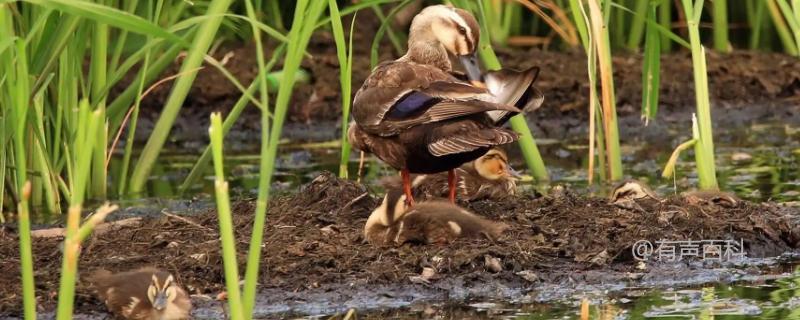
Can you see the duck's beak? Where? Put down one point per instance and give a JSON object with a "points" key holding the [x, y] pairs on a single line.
{"points": [[160, 301], [470, 62]]}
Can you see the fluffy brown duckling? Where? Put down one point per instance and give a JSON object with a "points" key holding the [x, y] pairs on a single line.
{"points": [[429, 222], [417, 116], [146, 293], [488, 177]]}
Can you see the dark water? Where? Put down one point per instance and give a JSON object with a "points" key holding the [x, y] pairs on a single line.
{"points": [[773, 299], [759, 163]]}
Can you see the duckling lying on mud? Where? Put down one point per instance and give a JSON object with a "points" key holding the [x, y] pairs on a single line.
{"points": [[147, 293], [488, 177], [429, 222]]}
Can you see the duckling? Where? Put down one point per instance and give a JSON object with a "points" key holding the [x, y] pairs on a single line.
{"points": [[715, 197], [488, 177], [146, 293], [430, 222], [418, 117]]}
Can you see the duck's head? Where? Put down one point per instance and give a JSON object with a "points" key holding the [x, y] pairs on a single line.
{"points": [[494, 166], [161, 292], [456, 30]]}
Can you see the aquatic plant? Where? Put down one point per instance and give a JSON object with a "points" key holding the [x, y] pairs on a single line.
{"points": [[344, 52], [594, 34]]}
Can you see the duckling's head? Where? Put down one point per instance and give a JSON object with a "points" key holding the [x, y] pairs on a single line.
{"points": [[454, 29], [161, 292], [494, 166]]}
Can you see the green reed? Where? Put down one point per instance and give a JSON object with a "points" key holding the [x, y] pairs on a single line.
{"points": [[651, 67], [200, 45], [719, 18], [344, 52], [791, 13], [704, 146], [599, 34], [227, 238], [782, 28]]}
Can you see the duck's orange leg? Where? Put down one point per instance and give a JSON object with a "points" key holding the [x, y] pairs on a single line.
{"points": [[451, 183], [406, 176]]}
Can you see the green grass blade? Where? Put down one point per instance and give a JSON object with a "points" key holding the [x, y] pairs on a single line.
{"points": [[651, 71], [720, 22], [201, 44], [110, 16], [254, 251], [637, 27], [227, 238], [201, 164]]}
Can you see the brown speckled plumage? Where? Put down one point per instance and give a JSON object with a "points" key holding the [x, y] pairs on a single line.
{"points": [[455, 122], [126, 294]]}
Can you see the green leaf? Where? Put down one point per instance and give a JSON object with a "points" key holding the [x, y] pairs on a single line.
{"points": [[110, 16]]}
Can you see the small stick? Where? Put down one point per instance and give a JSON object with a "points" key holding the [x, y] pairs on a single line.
{"points": [[164, 212]]}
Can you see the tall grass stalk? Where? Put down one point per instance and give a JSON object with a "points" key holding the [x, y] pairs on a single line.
{"points": [[227, 237], [782, 28], [200, 45], [526, 142], [720, 21], [26, 253], [344, 52], [651, 68], [704, 147], [637, 27], [755, 10], [15, 88], [89, 127], [254, 252], [791, 13], [205, 158], [305, 18], [600, 36], [665, 20]]}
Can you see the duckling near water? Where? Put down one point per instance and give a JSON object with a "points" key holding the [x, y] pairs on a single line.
{"points": [[488, 177], [146, 293], [430, 222], [418, 117]]}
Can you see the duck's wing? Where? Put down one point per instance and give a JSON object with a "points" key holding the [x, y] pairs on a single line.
{"points": [[400, 95], [514, 88], [465, 136]]}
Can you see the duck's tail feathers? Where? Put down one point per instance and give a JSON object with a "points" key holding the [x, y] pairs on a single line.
{"points": [[514, 88]]}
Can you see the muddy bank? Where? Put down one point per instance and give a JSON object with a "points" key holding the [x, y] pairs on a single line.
{"points": [[745, 87], [314, 247]]}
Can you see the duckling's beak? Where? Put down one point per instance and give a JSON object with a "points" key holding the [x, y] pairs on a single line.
{"points": [[470, 62], [160, 301]]}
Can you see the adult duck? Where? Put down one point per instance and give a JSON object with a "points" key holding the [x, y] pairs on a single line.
{"points": [[418, 116]]}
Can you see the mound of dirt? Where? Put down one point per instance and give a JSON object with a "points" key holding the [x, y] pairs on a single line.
{"points": [[313, 239]]}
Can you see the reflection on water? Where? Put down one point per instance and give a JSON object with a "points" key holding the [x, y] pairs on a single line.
{"points": [[759, 163], [774, 299]]}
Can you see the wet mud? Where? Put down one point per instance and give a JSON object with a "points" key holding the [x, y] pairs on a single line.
{"points": [[316, 261], [745, 87]]}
